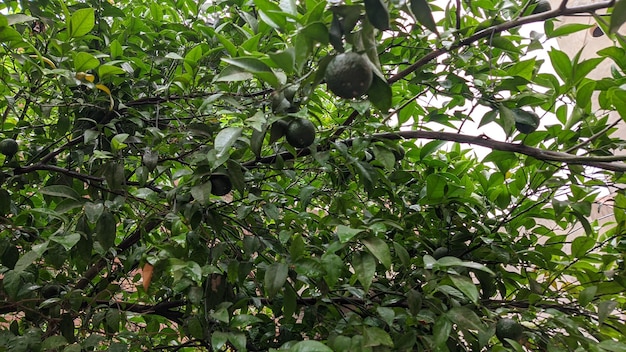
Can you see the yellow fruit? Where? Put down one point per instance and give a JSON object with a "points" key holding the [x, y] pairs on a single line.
{"points": [[300, 133], [349, 75], [8, 147]]}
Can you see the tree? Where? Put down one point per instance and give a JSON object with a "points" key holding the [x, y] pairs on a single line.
{"points": [[154, 202]]}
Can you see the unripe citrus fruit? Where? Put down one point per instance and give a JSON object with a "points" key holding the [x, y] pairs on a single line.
{"points": [[8, 147], [220, 184], [507, 328], [440, 252], [542, 6], [526, 121], [300, 133], [349, 75]]}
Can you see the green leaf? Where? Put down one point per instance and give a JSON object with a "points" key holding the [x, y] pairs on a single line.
{"points": [[85, 61], [93, 211], [581, 245], [256, 67], [285, 59], [82, 22], [244, 320], [583, 68], [218, 339], [605, 308], [202, 193], [402, 253], [561, 63], [380, 94], [53, 343], [379, 249], [414, 300], [584, 93], [309, 346], [290, 301], [377, 14], [465, 319], [106, 228], [334, 267], [9, 35], [618, 17], [466, 286], [115, 175], [613, 346], [109, 70], [193, 56], [373, 336], [436, 187], [26, 260], [567, 29], [233, 74], [507, 118], [587, 295], [68, 241], [17, 18], [365, 268], [423, 14], [441, 331], [275, 278], [271, 14], [316, 31], [60, 191], [225, 139], [346, 233]]}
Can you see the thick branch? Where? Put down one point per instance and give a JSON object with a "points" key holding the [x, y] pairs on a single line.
{"points": [[604, 163], [163, 309], [54, 168]]}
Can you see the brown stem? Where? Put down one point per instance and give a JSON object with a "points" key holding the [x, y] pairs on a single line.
{"points": [[602, 162]]}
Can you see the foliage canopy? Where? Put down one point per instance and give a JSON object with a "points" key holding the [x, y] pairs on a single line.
{"points": [[389, 232]]}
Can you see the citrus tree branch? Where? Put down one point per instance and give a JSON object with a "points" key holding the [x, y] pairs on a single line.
{"points": [[610, 163], [488, 32], [129, 241]]}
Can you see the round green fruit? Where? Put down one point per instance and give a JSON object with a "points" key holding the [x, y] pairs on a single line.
{"points": [[220, 185], [300, 133], [507, 328], [8, 147], [440, 252], [51, 291], [542, 6], [399, 153], [349, 75], [526, 121]]}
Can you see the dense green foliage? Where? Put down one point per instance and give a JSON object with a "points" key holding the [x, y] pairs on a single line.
{"points": [[132, 118]]}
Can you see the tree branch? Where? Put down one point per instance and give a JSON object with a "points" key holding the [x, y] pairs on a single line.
{"points": [[129, 241], [163, 309], [54, 168], [604, 163], [487, 32]]}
